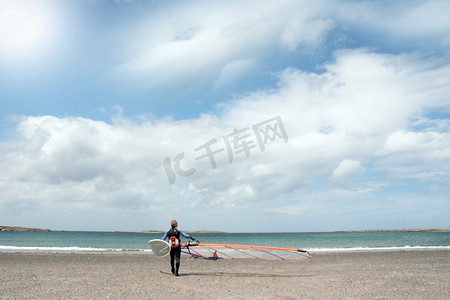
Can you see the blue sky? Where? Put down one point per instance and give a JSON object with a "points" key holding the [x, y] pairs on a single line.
{"points": [[96, 95]]}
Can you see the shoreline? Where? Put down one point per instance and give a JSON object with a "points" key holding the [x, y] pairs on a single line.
{"points": [[365, 275], [81, 250]]}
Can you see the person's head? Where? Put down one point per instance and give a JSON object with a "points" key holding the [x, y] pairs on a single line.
{"points": [[173, 223]]}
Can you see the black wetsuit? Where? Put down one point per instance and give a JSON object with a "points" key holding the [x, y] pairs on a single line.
{"points": [[175, 252]]}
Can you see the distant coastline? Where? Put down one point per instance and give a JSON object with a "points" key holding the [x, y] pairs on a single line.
{"points": [[396, 230], [152, 231], [19, 228]]}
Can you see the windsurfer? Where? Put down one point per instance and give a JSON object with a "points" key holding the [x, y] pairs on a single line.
{"points": [[174, 241]]}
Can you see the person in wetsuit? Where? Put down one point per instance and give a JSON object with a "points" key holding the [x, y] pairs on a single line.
{"points": [[173, 234]]}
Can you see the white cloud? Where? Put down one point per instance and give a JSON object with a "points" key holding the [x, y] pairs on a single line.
{"points": [[202, 39], [345, 168], [432, 143], [422, 155], [77, 168], [364, 113], [194, 42], [234, 71], [304, 32], [420, 20]]}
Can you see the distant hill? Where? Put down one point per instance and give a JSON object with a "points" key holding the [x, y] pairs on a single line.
{"points": [[392, 230], [152, 231], [18, 228]]}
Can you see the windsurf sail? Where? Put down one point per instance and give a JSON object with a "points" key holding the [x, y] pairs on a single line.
{"points": [[225, 251]]}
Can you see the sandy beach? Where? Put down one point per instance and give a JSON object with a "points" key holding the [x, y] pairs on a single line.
{"points": [[376, 275]]}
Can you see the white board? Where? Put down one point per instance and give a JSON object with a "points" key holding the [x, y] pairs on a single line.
{"points": [[159, 248]]}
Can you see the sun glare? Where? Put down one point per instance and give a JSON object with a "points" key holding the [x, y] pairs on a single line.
{"points": [[24, 26]]}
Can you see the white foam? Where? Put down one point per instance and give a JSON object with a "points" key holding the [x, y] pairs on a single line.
{"points": [[67, 249], [377, 249]]}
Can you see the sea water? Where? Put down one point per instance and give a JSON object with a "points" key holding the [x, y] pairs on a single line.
{"points": [[81, 241]]}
